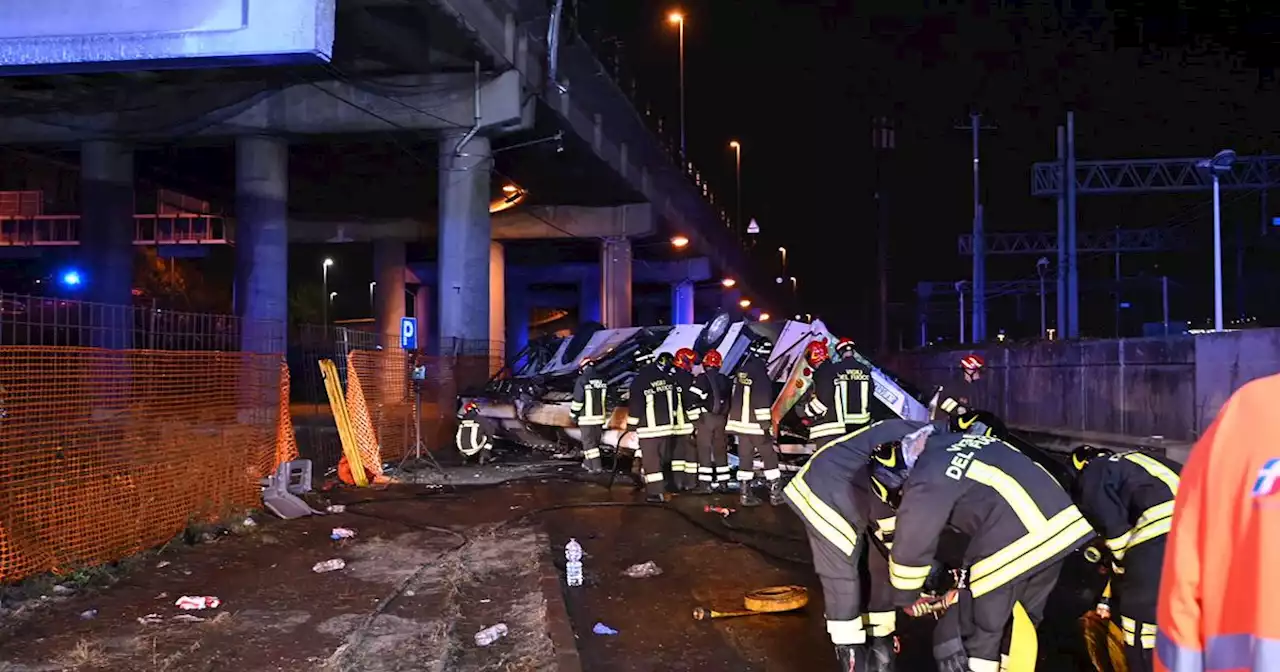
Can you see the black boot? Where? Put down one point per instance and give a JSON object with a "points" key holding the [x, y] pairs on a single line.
{"points": [[656, 498], [745, 497], [852, 657], [703, 488], [775, 492], [880, 654]]}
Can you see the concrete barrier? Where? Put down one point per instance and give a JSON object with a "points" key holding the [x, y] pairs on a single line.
{"points": [[1144, 387]]}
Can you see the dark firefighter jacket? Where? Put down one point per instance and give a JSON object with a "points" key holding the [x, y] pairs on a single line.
{"points": [[840, 397], [751, 407], [588, 399], [475, 433], [1128, 497], [1016, 515], [712, 390], [824, 486], [686, 403], [653, 407]]}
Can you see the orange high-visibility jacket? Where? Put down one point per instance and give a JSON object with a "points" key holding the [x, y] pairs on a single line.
{"points": [[1217, 610]]}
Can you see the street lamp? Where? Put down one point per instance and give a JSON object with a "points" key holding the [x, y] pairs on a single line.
{"points": [[371, 286], [324, 285], [1042, 267], [793, 284], [1219, 165], [764, 317], [783, 251], [679, 241], [678, 19], [744, 303], [728, 282], [737, 152]]}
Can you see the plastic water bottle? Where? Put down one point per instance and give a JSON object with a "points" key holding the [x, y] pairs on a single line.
{"points": [[573, 562], [491, 634]]}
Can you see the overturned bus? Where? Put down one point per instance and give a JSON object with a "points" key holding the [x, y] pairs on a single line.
{"points": [[530, 397]]}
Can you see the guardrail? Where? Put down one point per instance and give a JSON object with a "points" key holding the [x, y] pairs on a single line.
{"points": [[64, 230]]}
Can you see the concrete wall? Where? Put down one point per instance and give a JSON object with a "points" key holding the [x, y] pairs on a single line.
{"points": [[1170, 387]]}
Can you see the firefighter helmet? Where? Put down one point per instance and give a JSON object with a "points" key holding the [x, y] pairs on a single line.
{"points": [[761, 347], [468, 407], [976, 422], [1083, 454], [888, 472], [712, 360], [845, 347], [586, 362], [686, 358], [816, 353], [664, 361]]}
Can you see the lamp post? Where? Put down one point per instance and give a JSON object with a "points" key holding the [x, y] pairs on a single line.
{"points": [[371, 286], [1219, 165], [782, 251], [678, 19], [1042, 266], [737, 154], [324, 285]]}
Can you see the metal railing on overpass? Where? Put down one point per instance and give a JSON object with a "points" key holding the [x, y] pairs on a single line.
{"points": [[64, 230]]}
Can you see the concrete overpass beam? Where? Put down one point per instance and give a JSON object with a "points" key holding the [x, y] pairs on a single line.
{"points": [[464, 237], [106, 233], [262, 242], [568, 221], [615, 285], [389, 293], [682, 302], [497, 300]]}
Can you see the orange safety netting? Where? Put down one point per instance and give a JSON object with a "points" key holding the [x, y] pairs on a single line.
{"points": [[379, 404], [106, 453]]}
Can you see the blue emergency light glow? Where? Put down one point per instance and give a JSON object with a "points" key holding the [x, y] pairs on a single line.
{"points": [[71, 278]]}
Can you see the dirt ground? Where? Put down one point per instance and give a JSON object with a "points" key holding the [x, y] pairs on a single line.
{"points": [[278, 615]]}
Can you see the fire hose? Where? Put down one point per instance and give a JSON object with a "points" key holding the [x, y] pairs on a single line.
{"points": [[769, 600]]}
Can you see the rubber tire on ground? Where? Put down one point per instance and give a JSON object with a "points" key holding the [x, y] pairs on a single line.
{"points": [[776, 598], [578, 342]]}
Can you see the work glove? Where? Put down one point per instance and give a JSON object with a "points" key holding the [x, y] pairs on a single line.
{"points": [[932, 604]]}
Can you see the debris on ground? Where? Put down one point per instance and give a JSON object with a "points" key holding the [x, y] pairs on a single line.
{"points": [[340, 533], [491, 634], [88, 615], [723, 511], [336, 508], [602, 629], [643, 570], [151, 619], [329, 565], [197, 603]]}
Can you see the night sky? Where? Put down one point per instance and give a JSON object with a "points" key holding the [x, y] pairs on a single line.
{"points": [[799, 83]]}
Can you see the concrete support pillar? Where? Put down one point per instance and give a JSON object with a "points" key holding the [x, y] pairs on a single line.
{"points": [[682, 302], [106, 233], [388, 294], [464, 245], [589, 298], [422, 313], [497, 303], [262, 242], [518, 315], [615, 282]]}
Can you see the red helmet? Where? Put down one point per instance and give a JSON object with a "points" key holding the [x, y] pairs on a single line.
{"points": [[686, 358], [845, 346], [712, 360], [470, 406], [816, 353]]}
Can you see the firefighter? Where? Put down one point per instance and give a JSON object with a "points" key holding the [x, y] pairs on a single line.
{"points": [[751, 420], [651, 413], [1215, 610], [712, 390], [1020, 522], [879, 615], [684, 451], [839, 401], [475, 434], [1128, 498], [823, 495], [588, 411]]}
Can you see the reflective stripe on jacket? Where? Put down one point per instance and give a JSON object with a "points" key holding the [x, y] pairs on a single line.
{"points": [[1222, 555]]}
